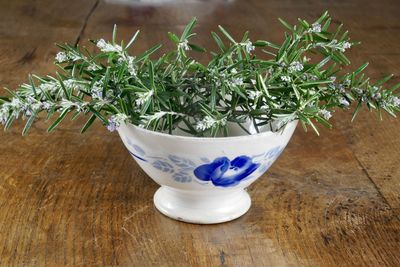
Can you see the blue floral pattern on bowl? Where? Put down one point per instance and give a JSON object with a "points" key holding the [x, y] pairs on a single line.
{"points": [[179, 167], [223, 172]]}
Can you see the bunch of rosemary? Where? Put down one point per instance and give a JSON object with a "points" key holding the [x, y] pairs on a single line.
{"points": [[258, 82]]}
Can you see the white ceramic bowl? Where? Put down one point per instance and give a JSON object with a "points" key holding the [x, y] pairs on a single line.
{"points": [[203, 180]]}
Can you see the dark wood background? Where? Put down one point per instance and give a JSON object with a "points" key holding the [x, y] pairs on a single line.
{"points": [[80, 200]]}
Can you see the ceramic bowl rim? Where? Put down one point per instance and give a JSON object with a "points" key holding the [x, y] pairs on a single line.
{"points": [[193, 138]]}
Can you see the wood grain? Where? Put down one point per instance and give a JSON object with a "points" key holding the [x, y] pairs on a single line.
{"points": [[80, 200]]}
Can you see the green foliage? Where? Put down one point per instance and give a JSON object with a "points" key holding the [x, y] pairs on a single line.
{"points": [[300, 79]]}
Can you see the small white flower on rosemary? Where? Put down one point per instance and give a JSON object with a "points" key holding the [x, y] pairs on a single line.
{"points": [[248, 45], [347, 82], [47, 105], [130, 62], [49, 87], [253, 95], [377, 96], [93, 67], [131, 65], [147, 119], [315, 28], [346, 45], [32, 103], [61, 57], [295, 66], [16, 103], [341, 88], [396, 101], [69, 83], [335, 45], [343, 101], [73, 84], [116, 120], [184, 45], [238, 81], [308, 76], [359, 91], [107, 47], [143, 97], [155, 116], [97, 91], [4, 112], [75, 56], [326, 114], [285, 78], [66, 104], [209, 122]]}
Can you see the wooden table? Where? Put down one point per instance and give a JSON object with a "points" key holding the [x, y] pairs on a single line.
{"points": [[80, 200]]}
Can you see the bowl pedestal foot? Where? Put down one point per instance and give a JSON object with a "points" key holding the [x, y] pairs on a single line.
{"points": [[202, 207]]}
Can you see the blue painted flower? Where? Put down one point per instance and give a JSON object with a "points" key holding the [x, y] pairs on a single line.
{"points": [[223, 172]]}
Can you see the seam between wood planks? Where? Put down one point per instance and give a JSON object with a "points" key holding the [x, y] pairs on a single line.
{"points": [[85, 21], [395, 210], [371, 180]]}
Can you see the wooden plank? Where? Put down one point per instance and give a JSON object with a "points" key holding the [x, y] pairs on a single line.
{"points": [[80, 200], [376, 146], [29, 31], [375, 143]]}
